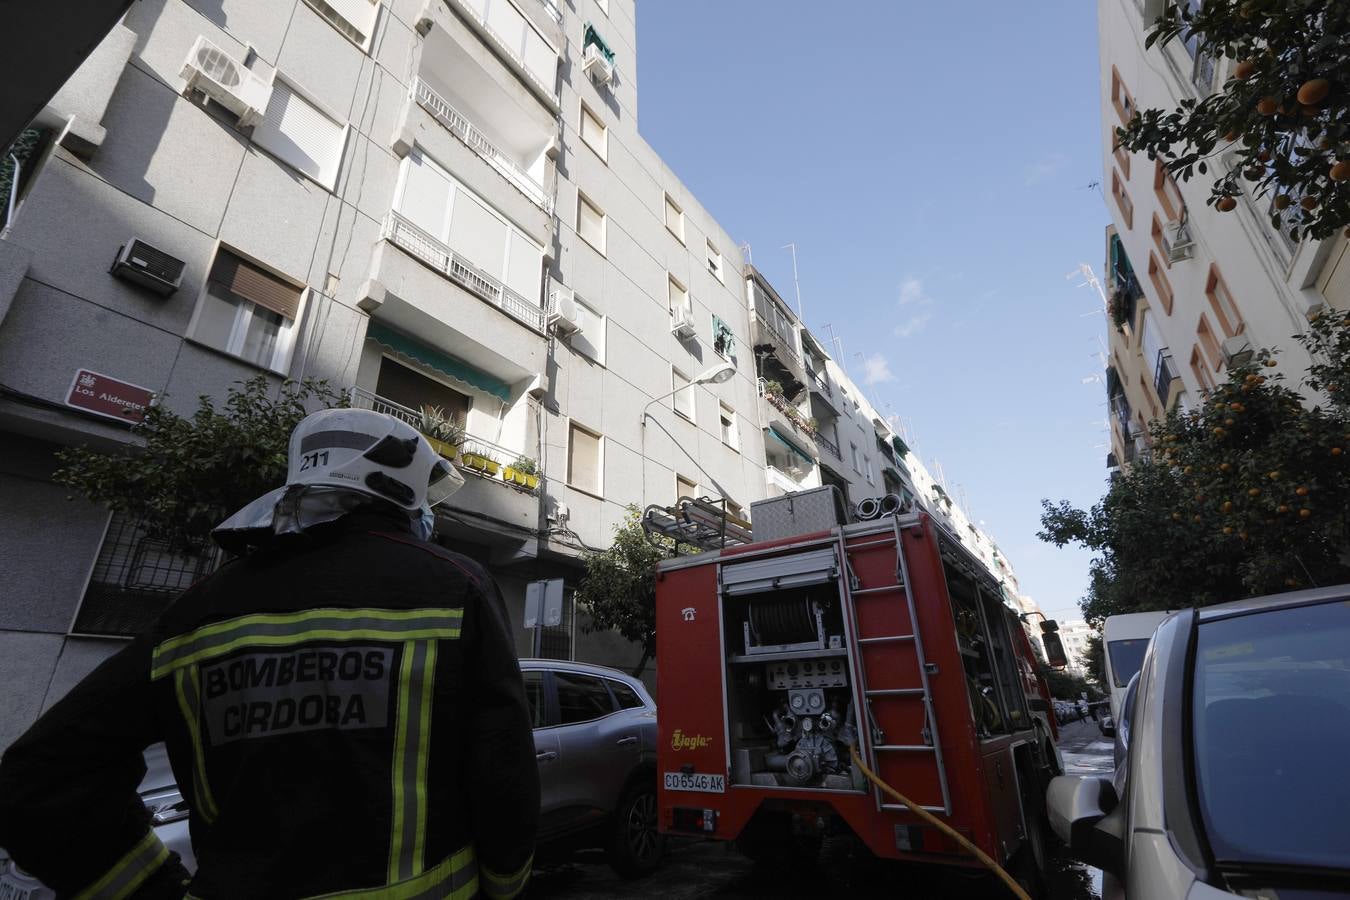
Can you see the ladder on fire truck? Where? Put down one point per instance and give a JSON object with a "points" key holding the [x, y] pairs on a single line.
{"points": [[927, 741]]}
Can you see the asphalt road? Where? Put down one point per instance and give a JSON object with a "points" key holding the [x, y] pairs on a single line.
{"points": [[707, 869]]}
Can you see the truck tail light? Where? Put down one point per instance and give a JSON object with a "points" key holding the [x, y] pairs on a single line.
{"points": [[699, 821]]}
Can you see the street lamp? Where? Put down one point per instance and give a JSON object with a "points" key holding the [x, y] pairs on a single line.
{"points": [[718, 374]]}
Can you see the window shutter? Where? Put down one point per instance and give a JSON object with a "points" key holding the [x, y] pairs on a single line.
{"points": [[360, 14], [250, 282], [584, 465], [299, 134]]}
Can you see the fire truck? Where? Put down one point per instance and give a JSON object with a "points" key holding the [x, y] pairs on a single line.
{"points": [[784, 652]]}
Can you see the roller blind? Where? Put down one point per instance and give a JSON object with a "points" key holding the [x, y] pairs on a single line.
{"points": [[799, 570], [360, 14], [246, 280], [295, 131], [583, 463]]}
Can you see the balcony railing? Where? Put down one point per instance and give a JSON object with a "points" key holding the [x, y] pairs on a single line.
{"points": [[360, 398], [778, 477], [776, 323], [821, 382], [512, 52], [1164, 373], [552, 9], [829, 445], [430, 250], [1121, 408], [459, 125]]}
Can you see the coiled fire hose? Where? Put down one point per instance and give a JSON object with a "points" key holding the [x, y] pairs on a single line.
{"points": [[941, 826]]}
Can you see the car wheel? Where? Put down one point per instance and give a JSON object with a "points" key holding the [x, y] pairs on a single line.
{"points": [[636, 847], [1031, 862]]}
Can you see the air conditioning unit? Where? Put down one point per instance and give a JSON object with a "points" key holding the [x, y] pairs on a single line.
{"points": [[1237, 351], [153, 269], [596, 65], [1177, 241], [224, 79], [565, 319], [682, 324]]}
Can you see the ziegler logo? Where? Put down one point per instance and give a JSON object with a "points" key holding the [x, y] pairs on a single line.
{"points": [[681, 741], [688, 612]]}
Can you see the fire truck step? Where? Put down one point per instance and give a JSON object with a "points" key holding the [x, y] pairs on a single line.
{"points": [[904, 747], [886, 639], [895, 692], [888, 589], [900, 807]]}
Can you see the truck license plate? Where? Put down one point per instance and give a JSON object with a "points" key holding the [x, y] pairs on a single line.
{"points": [[697, 781]]}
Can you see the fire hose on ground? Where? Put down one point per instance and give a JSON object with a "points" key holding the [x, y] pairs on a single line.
{"points": [[941, 826]]}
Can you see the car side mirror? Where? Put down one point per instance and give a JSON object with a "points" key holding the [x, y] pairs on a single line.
{"points": [[1086, 814], [1054, 650]]}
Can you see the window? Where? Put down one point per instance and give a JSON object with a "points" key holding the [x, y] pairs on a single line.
{"points": [[1120, 98], [1221, 301], [679, 297], [625, 695], [1122, 159], [590, 222], [134, 580], [594, 132], [429, 198], [589, 338], [247, 312], [715, 261], [1122, 199], [853, 450], [583, 460], [1160, 283], [1209, 342], [724, 340], [534, 696], [581, 698], [1155, 231], [301, 135], [1169, 195], [867, 468], [1200, 370], [683, 398], [416, 391], [685, 488], [674, 219], [355, 19], [727, 425]]}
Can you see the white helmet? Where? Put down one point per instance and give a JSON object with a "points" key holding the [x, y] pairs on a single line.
{"points": [[370, 452]]}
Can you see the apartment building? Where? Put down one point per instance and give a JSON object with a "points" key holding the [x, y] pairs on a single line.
{"points": [[432, 204], [1192, 290], [1074, 635]]}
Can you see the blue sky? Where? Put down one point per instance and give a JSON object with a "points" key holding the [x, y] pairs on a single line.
{"points": [[932, 164]]}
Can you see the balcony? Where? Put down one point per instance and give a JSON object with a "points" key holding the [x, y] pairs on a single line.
{"points": [[420, 286], [829, 445], [483, 494], [1120, 407], [1166, 380], [515, 39], [781, 415], [459, 125], [785, 483]]}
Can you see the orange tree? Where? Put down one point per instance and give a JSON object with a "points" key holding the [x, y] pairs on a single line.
{"points": [[1281, 122], [1246, 494]]}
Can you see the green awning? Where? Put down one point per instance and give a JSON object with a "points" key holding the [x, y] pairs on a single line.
{"points": [[900, 446], [806, 458], [591, 36], [447, 365]]}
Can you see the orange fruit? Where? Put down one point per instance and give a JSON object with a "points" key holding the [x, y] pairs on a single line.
{"points": [[1274, 476], [1232, 136], [1309, 202], [1229, 422], [1187, 470], [1301, 491], [1314, 91], [1264, 156], [1269, 362], [1219, 432], [1243, 535], [1176, 517], [1282, 508], [1267, 106], [1336, 451], [1226, 204], [1253, 492], [1196, 518], [1224, 467], [1341, 171], [1283, 201], [1227, 506], [1304, 513], [1227, 529], [1252, 377], [1236, 407], [1243, 70]]}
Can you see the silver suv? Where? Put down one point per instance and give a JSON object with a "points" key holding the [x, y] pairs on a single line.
{"points": [[595, 740]]}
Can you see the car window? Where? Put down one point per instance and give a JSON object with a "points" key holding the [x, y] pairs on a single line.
{"points": [[627, 697], [534, 695], [1271, 723], [1126, 658], [581, 697]]}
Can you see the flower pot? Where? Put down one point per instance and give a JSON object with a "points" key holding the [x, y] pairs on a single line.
{"points": [[475, 462], [521, 478], [449, 451], [491, 466], [510, 474], [532, 482]]}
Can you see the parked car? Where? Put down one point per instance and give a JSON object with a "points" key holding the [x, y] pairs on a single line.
{"points": [[1230, 782], [595, 742]]}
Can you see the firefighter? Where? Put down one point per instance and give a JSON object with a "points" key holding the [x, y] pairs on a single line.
{"points": [[342, 706]]}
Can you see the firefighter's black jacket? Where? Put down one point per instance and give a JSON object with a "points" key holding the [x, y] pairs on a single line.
{"points": [[344, 713]]}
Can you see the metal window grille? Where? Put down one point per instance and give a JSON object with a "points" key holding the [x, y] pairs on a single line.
{"points": [[135, 578], [555, 641]]}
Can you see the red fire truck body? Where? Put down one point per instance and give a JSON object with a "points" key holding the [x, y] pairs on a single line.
{"points": [[778, 656]]}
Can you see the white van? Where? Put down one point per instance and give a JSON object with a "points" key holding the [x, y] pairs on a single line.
{"points": [[1126, 639]]}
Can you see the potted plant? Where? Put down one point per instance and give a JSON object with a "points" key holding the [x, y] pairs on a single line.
{"points": [[522, 471], [481, 461], [442, 432]]}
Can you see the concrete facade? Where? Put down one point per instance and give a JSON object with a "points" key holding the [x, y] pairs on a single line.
{"points": [[1190, 287], [468, 217]]}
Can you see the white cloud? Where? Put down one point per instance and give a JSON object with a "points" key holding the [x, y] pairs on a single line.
{"points": [[1044, 169], [914, 301], [876, 370]]}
